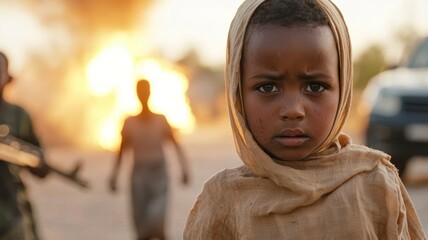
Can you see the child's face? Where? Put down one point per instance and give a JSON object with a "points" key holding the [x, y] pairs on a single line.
{"points": [[290, 88]]}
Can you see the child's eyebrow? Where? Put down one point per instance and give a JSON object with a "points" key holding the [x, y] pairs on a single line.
{"points": [[314, 75], [304, 76], [270, 76]]}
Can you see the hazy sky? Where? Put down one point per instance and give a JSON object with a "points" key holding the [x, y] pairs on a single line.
{"points": [[177, 25], [174, 26]]}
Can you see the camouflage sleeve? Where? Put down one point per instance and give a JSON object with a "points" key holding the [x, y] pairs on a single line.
{"points": [[26, 129]]}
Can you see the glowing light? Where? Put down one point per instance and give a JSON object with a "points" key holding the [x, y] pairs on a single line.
{"points": [[109, 136], [112, 76], [106, 71], [168, 92]]}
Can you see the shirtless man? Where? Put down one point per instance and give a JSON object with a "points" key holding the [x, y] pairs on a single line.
{"points": [[145, 134]]}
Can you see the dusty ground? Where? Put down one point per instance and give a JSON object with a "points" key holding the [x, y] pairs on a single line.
{"points": [[68, 212]]}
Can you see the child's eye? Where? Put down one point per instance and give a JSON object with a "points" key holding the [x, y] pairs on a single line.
{"points": [[315, 88], [268, 88]]}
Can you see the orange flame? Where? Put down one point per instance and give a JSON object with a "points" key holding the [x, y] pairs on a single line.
{"points": [[113, 73]]}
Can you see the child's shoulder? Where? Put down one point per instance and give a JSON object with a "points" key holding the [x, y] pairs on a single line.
{"points": [[364, 152], [383, 169], [227, 177], [359, 151]]}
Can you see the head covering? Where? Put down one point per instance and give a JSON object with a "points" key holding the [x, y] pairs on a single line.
{"points": [[249, 151]]}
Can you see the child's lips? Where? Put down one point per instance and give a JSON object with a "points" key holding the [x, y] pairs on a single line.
{"points": [[291, 141], [291, 138]]}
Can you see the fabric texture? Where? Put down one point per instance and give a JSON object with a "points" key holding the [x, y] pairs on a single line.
{"points": [[16, 216], [340, 191]]}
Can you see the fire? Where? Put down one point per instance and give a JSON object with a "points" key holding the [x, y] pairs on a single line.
{"points": [[108, 69], [168, 95], [113, 74]]}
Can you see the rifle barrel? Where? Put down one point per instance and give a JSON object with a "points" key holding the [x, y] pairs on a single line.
{"points": [[21, 153]]}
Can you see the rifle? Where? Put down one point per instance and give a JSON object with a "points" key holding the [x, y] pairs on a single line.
{"points": [[24, 154]]}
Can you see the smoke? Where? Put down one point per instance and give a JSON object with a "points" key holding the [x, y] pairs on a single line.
{"points": [[50, 80]]}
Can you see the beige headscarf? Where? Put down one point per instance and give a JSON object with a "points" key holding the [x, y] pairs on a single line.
{"points": [[249, 151]]}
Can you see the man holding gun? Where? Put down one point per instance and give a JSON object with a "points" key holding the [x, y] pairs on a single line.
{"points": [[16, 217]]}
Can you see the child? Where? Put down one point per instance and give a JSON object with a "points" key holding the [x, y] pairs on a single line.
{"points": [[145, 134], [289, 81]]}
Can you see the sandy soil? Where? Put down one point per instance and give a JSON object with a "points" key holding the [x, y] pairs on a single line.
{"points": [[68, 212]]}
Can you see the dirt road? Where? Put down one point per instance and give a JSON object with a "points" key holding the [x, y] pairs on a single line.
{"points": [[67, 212]]}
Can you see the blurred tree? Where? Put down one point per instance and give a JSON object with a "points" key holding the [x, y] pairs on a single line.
{"points": [[370, 62], [407, 36]]}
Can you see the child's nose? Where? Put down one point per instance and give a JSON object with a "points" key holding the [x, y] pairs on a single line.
{"points": [[291, 108]]}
